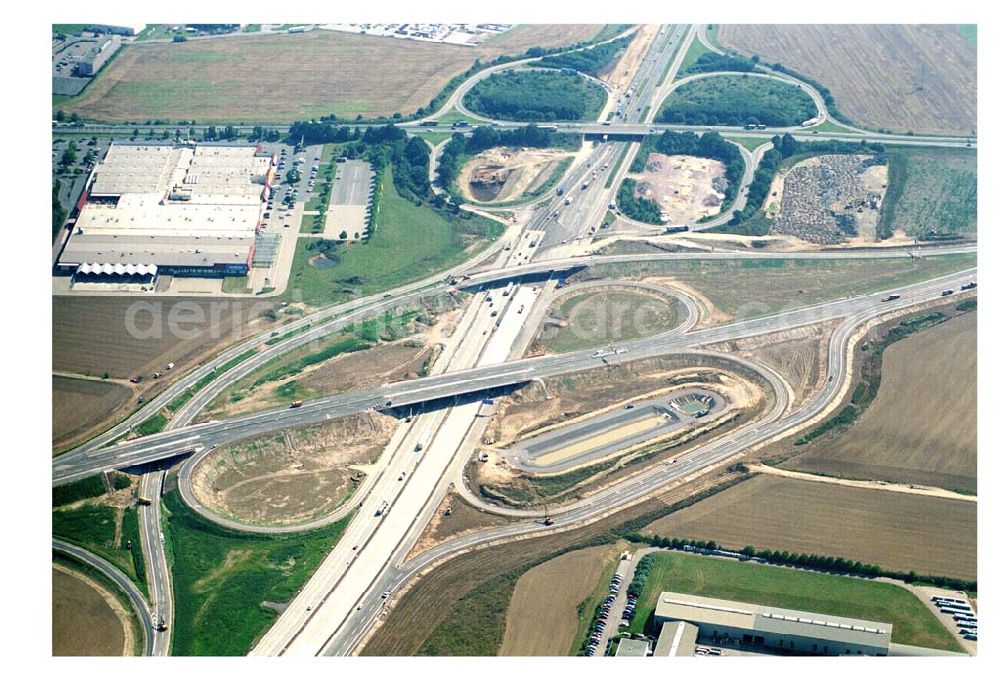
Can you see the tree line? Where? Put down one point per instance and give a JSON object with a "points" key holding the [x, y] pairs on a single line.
{"points": [[592, 60]]}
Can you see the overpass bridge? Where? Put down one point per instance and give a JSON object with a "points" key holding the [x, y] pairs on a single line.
{"points": [[533, 272]]}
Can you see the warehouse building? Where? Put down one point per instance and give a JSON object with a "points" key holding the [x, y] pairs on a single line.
{"points": [[753, 626], [190, 211]]}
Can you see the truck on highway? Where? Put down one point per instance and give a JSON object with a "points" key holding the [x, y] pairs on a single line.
{"points": [[382, 507], [891, 297], [676, 229], [970, 285], [295, 405], [560, 190], [161, 625], [585, 184], [508, 289], [423, 441], [142, 500], [429, 123], [568, 200]]}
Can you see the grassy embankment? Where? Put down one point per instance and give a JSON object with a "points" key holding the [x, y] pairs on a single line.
{"points": [[223, 578], [409, 243]]}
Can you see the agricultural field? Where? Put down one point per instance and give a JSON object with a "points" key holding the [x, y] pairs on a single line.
{"points": [[897, 531], [931, 191], [77, 404], [294, 477], [536, 96], [913, 623], [87, 618], [918, 78], [409, 243], [737, 100], [222, 579], [439, 602], [921, 428], [737, 290], [542, 618], [126, 337], [597, 317], [281, 78]]}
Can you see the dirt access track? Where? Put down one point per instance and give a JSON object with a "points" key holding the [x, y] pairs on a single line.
{"points": [[685, 187], [502, 174]]}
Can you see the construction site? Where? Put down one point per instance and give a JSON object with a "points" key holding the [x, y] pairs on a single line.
{"points": [[686, 188], [504, 174]]}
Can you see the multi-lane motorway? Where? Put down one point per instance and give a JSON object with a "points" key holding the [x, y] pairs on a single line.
{"points": [[349, 591]]}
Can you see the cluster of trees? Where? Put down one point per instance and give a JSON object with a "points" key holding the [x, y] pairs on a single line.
{"points": [[228, 133], [785, 147], [592, 60], [638, 208], [831, 104], [738, 100], [835, 565], [710, 62], [642, 570], [540, 96], [310, 133], [260, 134]]}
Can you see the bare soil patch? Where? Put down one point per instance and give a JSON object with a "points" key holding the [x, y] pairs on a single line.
{"points": [[454, 517], [502, 174], [293, 477], [685, 187], [919, 78], [921, 428], [128, 337], [542, 618], [894, 530], [79, 405], [87, 620]]}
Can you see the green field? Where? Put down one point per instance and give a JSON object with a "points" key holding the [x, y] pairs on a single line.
{"points": [[600, 317], [754, 288], [749, 142], [222, 578], [912, 622], [93, 527], [930, 190], [536, 96], [409, 243], [737, 100]]}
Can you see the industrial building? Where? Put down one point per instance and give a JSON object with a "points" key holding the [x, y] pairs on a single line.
{"points": [[153, 210], [756, 627], [632, 648]]}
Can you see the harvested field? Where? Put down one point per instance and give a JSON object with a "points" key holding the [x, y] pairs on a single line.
{"points": [[597, 317], [897, 531], [87, 620], [921, 428], [126, 337], [898, 77], [685, 187], [502, 174], [434, 598], [931, 191], [79, 405], [542, 617], [293, 477], [281, 78]]}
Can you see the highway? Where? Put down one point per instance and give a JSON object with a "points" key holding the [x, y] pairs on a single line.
{"points": [[157, 570], [344, 598], [122, 581]]}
